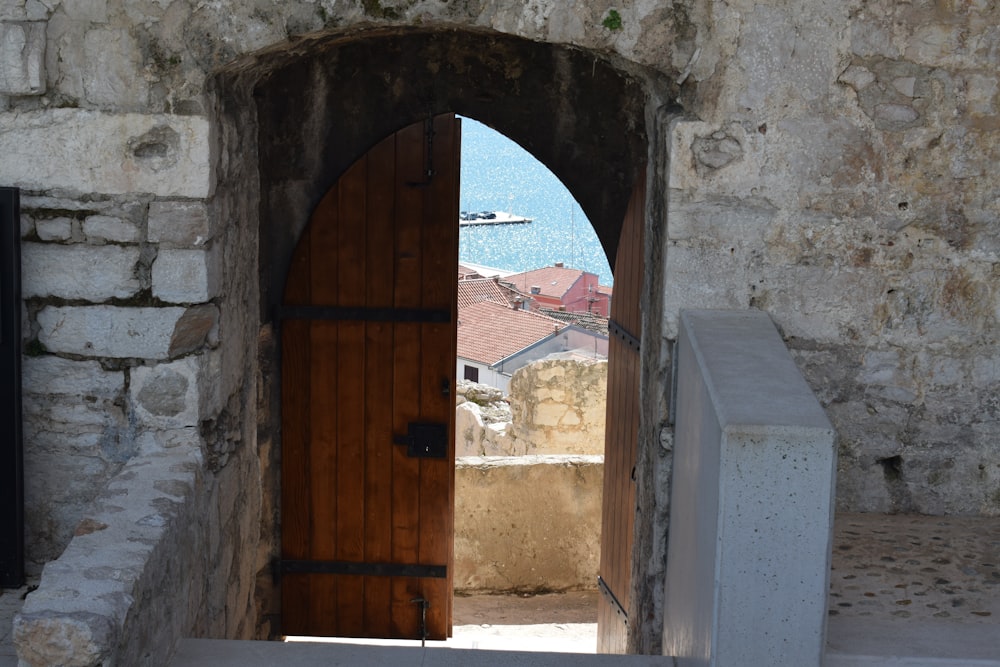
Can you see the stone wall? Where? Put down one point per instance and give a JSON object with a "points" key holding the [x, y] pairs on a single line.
{"points": [[528, 512], [527, 524], [555, 406], [832, 163]]}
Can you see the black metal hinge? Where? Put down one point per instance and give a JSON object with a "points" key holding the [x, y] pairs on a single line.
{"points": [[612, 599], [362, 569], [624, 334], [363, 314]]}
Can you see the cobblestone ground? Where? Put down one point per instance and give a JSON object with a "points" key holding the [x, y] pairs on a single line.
{"points": [[916, 567]]}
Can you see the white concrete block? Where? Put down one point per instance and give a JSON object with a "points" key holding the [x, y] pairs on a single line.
{"points": [[22, 58], [186, 276], [111, 331], [90, 151], [94, 273], [748, 557]]}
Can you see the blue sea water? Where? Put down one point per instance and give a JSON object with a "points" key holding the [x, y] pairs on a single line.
{"points": [[499, 175]]}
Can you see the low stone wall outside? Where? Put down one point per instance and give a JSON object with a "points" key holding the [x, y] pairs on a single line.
{"points": [[528, 513], [527, 523]]}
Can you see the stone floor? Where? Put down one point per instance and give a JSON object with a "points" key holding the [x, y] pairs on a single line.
{"points": [[927, 585]]}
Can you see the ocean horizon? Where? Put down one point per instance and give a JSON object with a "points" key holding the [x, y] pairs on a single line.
{"points": [[498, 175]]}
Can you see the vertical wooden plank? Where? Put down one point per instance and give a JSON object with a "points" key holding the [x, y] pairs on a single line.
{"points": [[323, 413], [349, 401], [440, 256], [296, 528], [410, 168], [621, 441], [379, 252]]}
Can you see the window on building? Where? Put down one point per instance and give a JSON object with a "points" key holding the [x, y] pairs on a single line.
{"points": [[472, 373]]}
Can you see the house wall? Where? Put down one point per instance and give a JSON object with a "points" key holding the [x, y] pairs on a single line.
{"points": [[831, 163], [487, 375]]}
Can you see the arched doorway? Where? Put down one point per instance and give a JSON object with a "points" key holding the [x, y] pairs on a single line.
{"points": [[316, 108]]}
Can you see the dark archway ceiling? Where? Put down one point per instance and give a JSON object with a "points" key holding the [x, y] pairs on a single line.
{"points": [[323, 102]]}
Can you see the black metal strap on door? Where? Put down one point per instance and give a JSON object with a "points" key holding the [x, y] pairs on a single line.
{"points": [[11, 452], [363, 569], [618, 331], [612, 599], [363, 314]]}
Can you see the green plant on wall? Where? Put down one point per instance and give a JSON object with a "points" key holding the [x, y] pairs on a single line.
{"points": [[613, 21]]}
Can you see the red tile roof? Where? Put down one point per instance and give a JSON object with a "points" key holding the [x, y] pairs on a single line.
{"points": [[482, 289], [467, 272], [489, 332], [552, 281]]}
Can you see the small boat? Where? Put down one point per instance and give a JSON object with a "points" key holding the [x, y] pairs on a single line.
{"points": [[471, 218]]}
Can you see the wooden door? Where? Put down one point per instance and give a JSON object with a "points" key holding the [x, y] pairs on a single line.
{"points": [[621, 435], [368, 360]]}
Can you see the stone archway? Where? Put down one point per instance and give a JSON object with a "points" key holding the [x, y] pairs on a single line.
{"points": [[295, 117]]}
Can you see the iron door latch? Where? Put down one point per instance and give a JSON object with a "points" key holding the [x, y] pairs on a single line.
{"points": [[425, 440]]}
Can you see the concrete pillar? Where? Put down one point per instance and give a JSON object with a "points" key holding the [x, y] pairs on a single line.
{"points": [[748, 559]]}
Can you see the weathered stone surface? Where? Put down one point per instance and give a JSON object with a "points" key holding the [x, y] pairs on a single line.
{"points": [[54, 229], [166, 396], [106, 153], [79, 639], [528, 523], [196, 327], [22, 58], [186, 276], [94, 273], [76, 436], [859, 208], [101, 228], [111, 331], [469, 430], [559, 407], [179, 223]]}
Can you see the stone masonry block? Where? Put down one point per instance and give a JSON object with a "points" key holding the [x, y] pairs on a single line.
{"points": [[101, 228], [87, 272], [121, 333], [90, 151], [57, 376], [166, 395], [54, 229], [22, 58], [179, 223], [186, 276]]}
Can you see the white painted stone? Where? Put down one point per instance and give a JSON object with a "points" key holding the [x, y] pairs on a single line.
{"points": [[22, 58], [186, 276], [106, 228], [79, 271], [54, 229], [748, 560], [65, 377], [179, 223], [89, 151], [110, 331]]}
